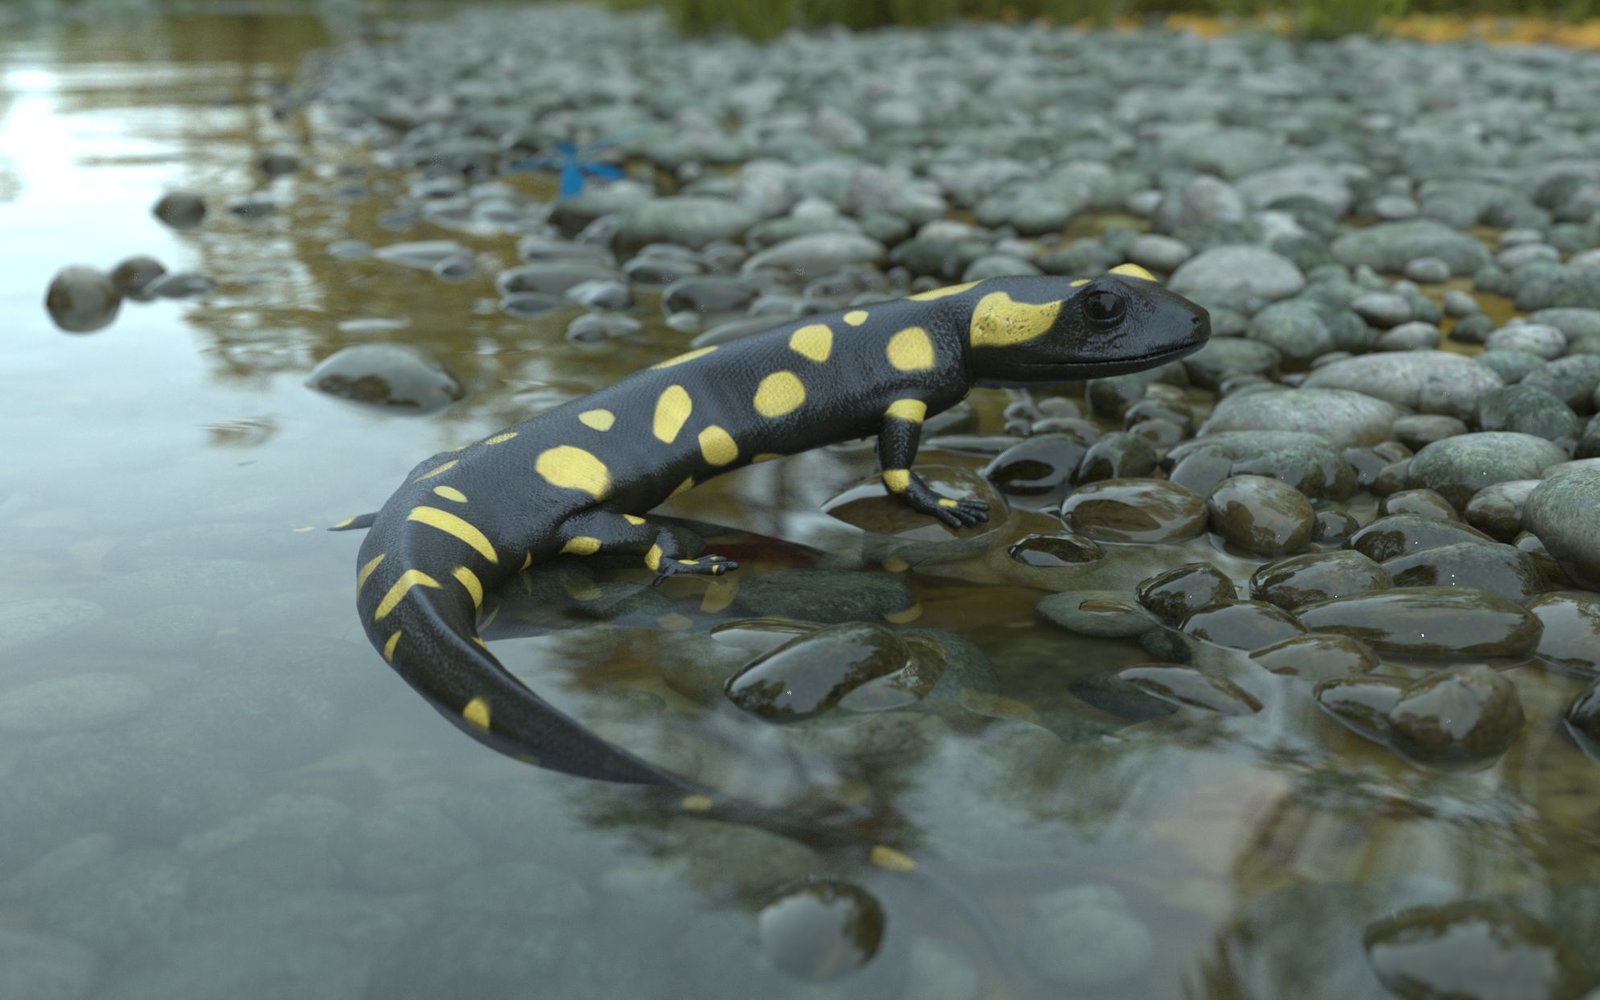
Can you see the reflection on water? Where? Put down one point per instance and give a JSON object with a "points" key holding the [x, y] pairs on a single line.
{"points": [[211, 787]]}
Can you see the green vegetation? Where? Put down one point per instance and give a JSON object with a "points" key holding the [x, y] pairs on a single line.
{"points": [[1307, 18]]}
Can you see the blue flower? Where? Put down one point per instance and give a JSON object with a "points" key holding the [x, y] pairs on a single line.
{"points": [[576, 165]]}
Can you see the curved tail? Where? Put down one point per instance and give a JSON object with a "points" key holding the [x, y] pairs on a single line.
{"points": [[424, 622]]}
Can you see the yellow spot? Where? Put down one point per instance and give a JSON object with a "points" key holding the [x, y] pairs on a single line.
{"points": [[895, 564], [779, 393], [767, 456], [910, 350], [456, 527], [410, 578], [478, 639], [345, 522], [574, 469], [600, 420], [998, 321], [675, 622], [946, 502], [527, 560], [477, 713], [898, 480], [696, 803], [683, 487], [855, 317], [698, 352], [1132, 271], [446, 467], [388, 647], [501, 438], [891, 860], [366, 571], [719, 595], [1080, 282], [904, 616], [907, 409], [717, 446], [633, 519], [583, 545], [672, 409], [580, 590], [814, 342], [652, 558], [488, 619], [939, 293], [450, 493], [468, 579]]}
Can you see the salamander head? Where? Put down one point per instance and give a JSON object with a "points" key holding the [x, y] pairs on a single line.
{"points": [[1120, 322]]}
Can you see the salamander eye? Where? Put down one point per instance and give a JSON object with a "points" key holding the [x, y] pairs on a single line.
{"points": [[1104, 308]]}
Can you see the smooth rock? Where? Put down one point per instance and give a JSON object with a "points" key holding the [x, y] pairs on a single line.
{"points": [[1496, 568], [1429, 621], [1186, 686], [1242, 625], [1426, 381], [811, 673], [1496, 510], [1527, 409], [387, 375], [1571, 636], [1105, 614], [1316, 576], [1316, 657], [1564, 511], [82, 300], [1055, 550], [1459, 467], [1346, 419], [1472, 949], [1398, 534], [1260, 515], [1419, 503], [1243, 269], [1135, 510], [1179, 592], [80, 701]]}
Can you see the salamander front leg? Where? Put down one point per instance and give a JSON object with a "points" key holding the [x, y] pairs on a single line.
{"points": [[663, 549], [897, 447]]}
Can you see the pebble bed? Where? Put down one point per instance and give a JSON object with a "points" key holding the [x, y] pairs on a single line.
{"points": [[1373, 498]]}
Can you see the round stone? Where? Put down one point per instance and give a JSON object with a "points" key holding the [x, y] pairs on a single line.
{"points": [[1547, 342], [82, 300], [1388, 246], [1224, 357], [1107, 614], [1346, 419], [1116, 456], [1497, 568], [1420, 503], [62, 704], [1260, 515], [1316, 576], [132, 275], [1397, 534], [1565, 513], [1458, 467], [1243, 625], [1041, 464], [1243, 269], [387, 375], [1135, 510], [1188, 687], [1429, 621], [1179, 592], [1528, 409], [181, 209], [1496, 510], [1305, 462], [1426, 381], [1459, 716], [1316, 657], [1571, 621], [809, 674]]}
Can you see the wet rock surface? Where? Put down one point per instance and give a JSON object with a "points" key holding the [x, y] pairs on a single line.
{"points": [[1498, 569], [1571, 637], [1263, 516], [1174, 595], [1318, 576], [82, 300], [1458, 717], [811, 673], [1458, 467], [1564, 513], [1429, 621], [387, 375], [1472, 948], [1135, 510], [1243, 625]]}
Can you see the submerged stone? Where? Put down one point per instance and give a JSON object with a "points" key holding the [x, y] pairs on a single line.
{"points": [[1040, 464], [82, 300], [821, 929], [1430, 621], [1055, 550], [1190, 687], [1316, 657], [811, 673], [1243, 625], [387, 375], [1179, 592], [1472, 949], [1086, 936], [1571, 636], [1464, 716], [1583, 720], [1135, 510], [1106, 614], [1316, 576]]}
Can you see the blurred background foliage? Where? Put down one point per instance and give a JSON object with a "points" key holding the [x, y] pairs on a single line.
{"points": [[1305, 18]]}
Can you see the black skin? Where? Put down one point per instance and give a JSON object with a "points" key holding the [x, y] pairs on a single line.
{"points": [[1113, 324]]}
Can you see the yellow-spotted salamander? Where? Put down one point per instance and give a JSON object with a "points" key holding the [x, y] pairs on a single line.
{"points": [[580, 479]]}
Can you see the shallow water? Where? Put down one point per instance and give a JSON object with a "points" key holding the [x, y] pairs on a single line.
{"points": [[241, 801]]}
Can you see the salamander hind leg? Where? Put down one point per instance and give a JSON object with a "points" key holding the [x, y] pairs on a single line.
{"points": [[665, 551]]}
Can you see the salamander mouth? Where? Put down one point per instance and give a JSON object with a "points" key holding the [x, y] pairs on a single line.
{"points": [[1071, 371]]}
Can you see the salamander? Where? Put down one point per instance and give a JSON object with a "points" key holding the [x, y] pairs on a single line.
{"points": [[579, 479]]}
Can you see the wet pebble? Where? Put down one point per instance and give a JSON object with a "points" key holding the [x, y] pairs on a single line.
{"points": [[1086, 936], [387, 375], [1583, 720], [1538, 339], [1042, 464], [1420, 503], [1564, 513], [1345, 418], [1333, 527], [1494, 567], [1242, 269], [62, 704], [824, 596], [1388, 246], [1316, 576], [811, 673], [181, 209], [1223, 357], [1528, 409], [1497, 510], [1119, 455], [1186, 686], [1398, 534], [821, 929], [1306, 462], [131, 277], [1134, 510], [1458, 467], [687, 220], [1316, 657], [1412, 336], [1472, 949], [1260, 515], [1179, 592], [599, 327], [1429, 621], [1426, 381], [1243, 625], [1572, 380], [1107, 614], [82, 300], [1055, 550], [1571, 636]]}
